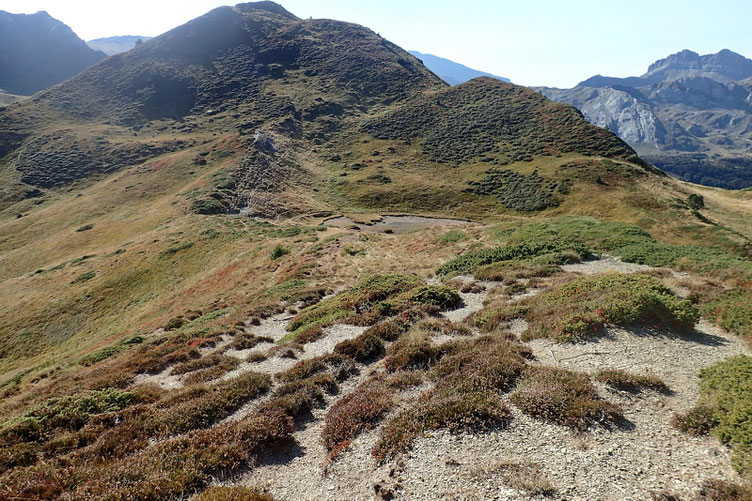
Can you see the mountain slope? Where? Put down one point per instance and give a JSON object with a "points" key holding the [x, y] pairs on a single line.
{"points": [[689, 114], [117, 44], [37, 51], [156, 342], [449, 71]]}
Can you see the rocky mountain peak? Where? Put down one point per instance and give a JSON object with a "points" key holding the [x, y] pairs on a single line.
{"points": [[723, 66]]}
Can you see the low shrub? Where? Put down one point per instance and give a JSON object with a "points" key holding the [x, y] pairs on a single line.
{"points": [[508, 271], [721, 490], [300, 397], [732, 311], [622, 380], [451, 237], [361, 349], [698, 420], [582, 306], [211, 405], [278, 251], [563, 397], [170, 468], [338, 365], [213, 372], [66, 413], [356, 412], [174, 323], [726, 388], [469, 378], [204, 363], [372, 299], [469, 262]]}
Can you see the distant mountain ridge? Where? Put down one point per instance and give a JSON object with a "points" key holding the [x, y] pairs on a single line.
{"points": [[38, 51], [451, 72], [689, 114], [117, 44]]}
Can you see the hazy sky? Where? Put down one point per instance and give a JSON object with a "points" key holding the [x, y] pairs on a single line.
{"points": [[546, 42]]}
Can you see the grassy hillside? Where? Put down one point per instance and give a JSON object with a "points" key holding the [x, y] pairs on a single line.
{"points": [[172, 295]]}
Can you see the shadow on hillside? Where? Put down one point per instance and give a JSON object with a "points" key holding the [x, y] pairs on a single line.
{"points": [[280, 454]]}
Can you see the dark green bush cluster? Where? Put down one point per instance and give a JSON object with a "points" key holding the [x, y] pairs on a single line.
{"points": [[690, 257], [733, 311], [469, 262], [492, 121], [727, 388], [582, 306], [598, 235], [563, 397], [278, 251], [518, 191]]}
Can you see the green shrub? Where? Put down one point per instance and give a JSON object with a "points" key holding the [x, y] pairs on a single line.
{"points": [[469, 262], [604, 236], [372, 299], [582, 306], [727, 388], [85, 227], [68, 413], [278, 251], [732, 311], [695, 201], [451, 237], [174, 323]]}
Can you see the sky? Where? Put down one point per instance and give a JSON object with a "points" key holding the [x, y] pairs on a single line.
{"points": [[546, 42]]}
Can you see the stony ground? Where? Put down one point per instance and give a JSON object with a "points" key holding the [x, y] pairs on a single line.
{"points": [[643, 457]]}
